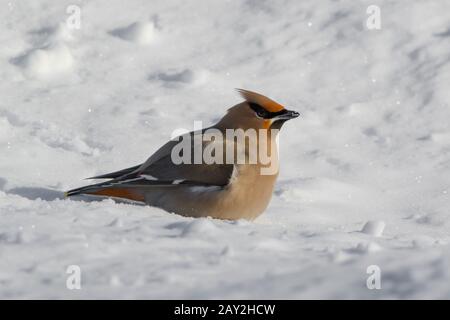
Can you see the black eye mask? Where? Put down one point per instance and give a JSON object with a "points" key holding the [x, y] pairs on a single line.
{"points": [[263, 113]]}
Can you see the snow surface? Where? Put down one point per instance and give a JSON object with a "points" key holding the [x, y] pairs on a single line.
{"points": [[365, 177]]}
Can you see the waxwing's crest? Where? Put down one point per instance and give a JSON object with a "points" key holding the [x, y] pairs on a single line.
{"points": [[263, 101]]}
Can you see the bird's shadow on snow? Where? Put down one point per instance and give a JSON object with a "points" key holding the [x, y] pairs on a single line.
{"points": [[46, 194], [34, 193]]}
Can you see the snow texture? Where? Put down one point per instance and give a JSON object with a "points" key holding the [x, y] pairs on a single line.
{"points": [[365, 172]]}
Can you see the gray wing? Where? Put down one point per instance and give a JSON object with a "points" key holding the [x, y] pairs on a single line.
{"points": [[161, 166], [160, 169]]}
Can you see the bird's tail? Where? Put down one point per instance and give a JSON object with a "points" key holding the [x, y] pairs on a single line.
{"points": [[85, 189], [106, 189]]}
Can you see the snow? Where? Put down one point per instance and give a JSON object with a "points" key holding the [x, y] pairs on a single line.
{"points": [[142, 33], [364, 178], [374, 228], [48, 61]]}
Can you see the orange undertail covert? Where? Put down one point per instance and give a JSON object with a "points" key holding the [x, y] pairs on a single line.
{"points": [[119, 193]]}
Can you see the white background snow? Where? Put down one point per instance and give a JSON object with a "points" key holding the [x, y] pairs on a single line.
{"points": [[365, 176]]}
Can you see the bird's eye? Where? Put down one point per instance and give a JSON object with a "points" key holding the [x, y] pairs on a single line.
{"points": [[260, 111]]}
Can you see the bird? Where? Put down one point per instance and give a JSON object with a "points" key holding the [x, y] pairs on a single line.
{"points": [[229, 189]]}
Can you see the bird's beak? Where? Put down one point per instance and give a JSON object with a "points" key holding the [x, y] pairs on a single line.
{"points": [[287, 115]]}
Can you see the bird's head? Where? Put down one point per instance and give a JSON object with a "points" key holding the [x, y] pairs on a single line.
{"points": [[258, 112]]}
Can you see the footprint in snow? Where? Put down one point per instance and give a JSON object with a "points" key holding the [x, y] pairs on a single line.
{"points": [[46, 62], [176, 78], [49, 55], [142, 33], [374, 228]]}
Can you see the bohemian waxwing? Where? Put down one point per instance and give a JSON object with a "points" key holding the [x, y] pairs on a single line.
{"points": [[231, 188]]}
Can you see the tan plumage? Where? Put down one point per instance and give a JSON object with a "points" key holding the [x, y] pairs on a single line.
{"points": [[225, 191]]}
